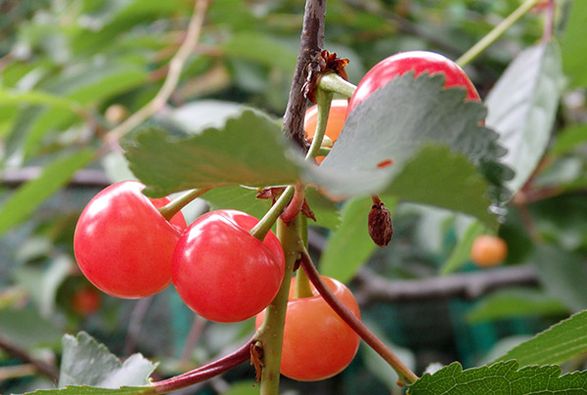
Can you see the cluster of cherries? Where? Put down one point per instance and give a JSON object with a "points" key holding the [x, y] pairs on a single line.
{"points": [[126, 248]]}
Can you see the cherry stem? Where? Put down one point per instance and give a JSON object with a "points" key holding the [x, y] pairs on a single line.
{"points": [[266, 223], [323, 151], [303, 289], [491, 37], [270, 334], [205, 372], [295, 205], [174, 206], [323, 100], [405, 374], [334, 83], [376, 199]]}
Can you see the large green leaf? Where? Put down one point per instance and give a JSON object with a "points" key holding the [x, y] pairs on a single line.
{"points": [[522, 108], [557, 344], [87, 362], [574, 45], [248, 150], [28, 197], [237, 198], [563, 274], [350, 245], [512, 303], [500, 378]]}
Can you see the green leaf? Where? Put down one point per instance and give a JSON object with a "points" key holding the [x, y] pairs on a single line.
{"points": [[574, 46], [261, 48], [511, 303], [21, 204], [326, 211], [249, 150], [237, 198], [557, 344], [522, 108], [42, 282], [499, 378], [85, 390], [569, 139], [8, 97], [87, 362], [462, 251], [563, 275], [27, 329], [412, 122], [418, 183], [350, 245]]}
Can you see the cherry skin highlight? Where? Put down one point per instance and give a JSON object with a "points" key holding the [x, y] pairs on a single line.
{"points": [[317, 343], [123, 245], [417, 62], [224, 273]]}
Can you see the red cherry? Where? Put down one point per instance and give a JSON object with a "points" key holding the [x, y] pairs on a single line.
{"points": [[417, 61], [123, 245], [86, 301], [317, 343], [222, 272]]}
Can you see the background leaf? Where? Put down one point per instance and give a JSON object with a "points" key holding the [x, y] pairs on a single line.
{"points": [[563, 275], [511, 303], [462, 252], [28, 197], [522, 107], [350, 245], [573, 44], [557, 344]]}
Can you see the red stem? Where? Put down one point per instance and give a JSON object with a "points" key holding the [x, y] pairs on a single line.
{"points": [[205, 372], [295, 205], [405, 374]]}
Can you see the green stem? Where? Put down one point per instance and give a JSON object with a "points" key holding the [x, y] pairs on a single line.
{"points": [[496, 33], [323, 151], [334, 83], [270, 334], [323, 100], [303, 289], [266, 223], [174, 206]]}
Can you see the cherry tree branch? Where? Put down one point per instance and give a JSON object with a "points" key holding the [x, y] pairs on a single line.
{"points": [[372, 287], [42, 367], [311, 42]]}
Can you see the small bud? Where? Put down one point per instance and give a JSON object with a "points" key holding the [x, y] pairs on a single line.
{"points": [[380, 226]]}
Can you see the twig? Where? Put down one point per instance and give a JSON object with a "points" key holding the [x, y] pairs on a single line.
{"points": [[491, 37], [372, 287], [13, 372], [41, 366], [311, 42], [205, 372], [13, 178], [176, 66], [198, 325], [135, 323], [405, 374]]}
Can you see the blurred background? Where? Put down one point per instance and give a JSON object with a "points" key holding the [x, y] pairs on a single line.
{"points": [[70, 70]]}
